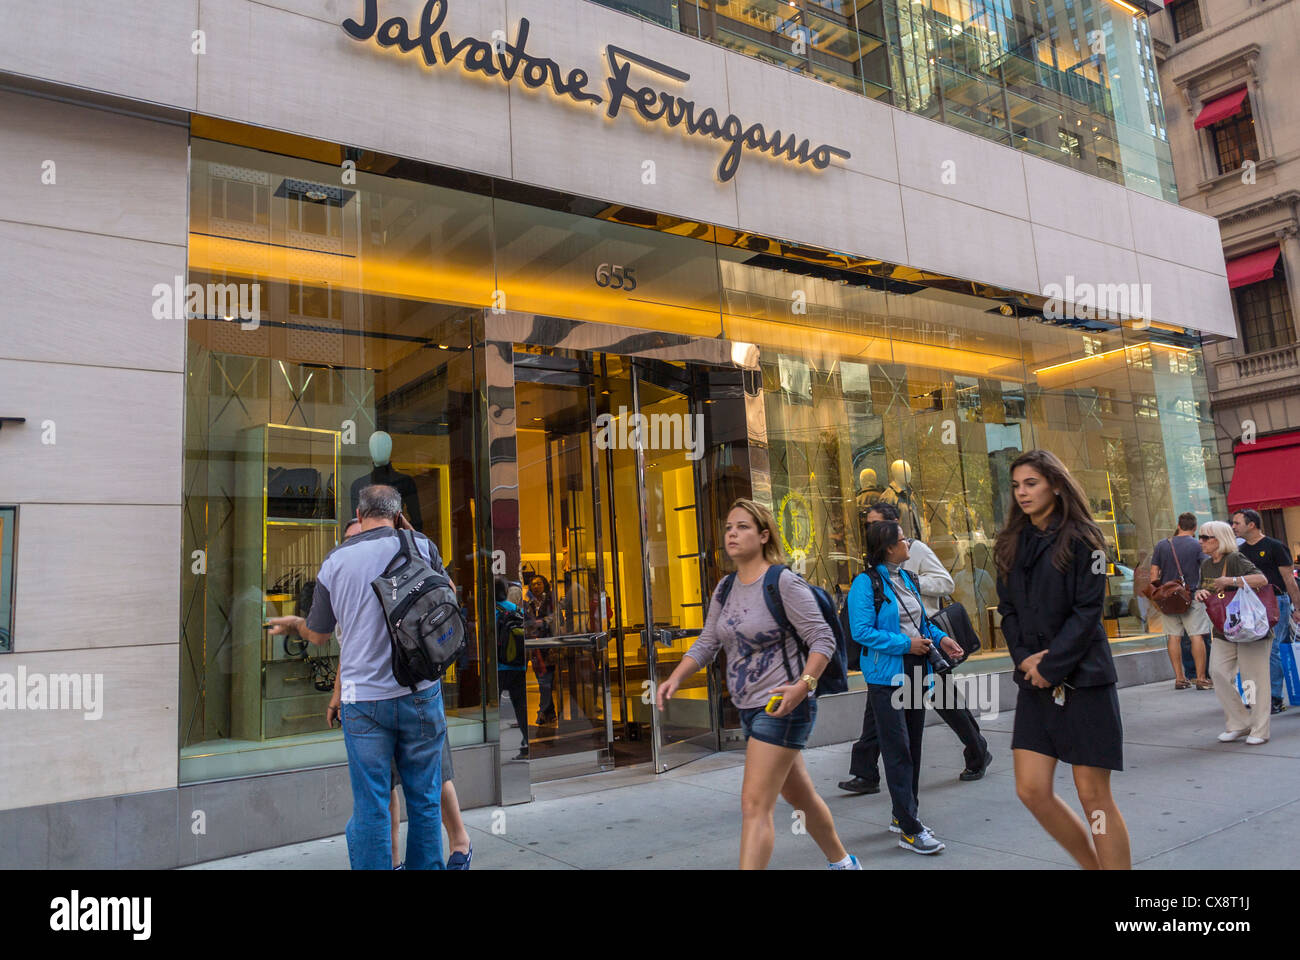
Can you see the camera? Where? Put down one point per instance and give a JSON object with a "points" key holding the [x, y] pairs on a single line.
{"points": [[938, 662]]}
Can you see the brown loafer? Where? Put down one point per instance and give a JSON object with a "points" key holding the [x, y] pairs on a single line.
{"points": [[1206, 684], [1181, 684]]}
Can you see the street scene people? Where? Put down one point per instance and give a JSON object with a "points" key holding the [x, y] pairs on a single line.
{"points": [[384, 721], [1051, 563], [772, 683]]}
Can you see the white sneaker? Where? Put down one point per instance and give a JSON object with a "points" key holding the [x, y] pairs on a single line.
{"points": [[1256, 741], [1230, 735], [893, 825]]}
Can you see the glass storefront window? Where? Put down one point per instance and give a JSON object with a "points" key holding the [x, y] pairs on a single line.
{"points": [[366, 362], [357, 369]]}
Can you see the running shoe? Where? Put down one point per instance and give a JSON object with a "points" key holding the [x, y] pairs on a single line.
{"points": [[924, 842]]}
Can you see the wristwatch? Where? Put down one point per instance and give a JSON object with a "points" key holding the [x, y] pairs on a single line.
{"points": [[809, 679]]}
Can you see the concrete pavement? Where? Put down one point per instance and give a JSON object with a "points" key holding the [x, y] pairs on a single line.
{"points": [[1189, 802]]}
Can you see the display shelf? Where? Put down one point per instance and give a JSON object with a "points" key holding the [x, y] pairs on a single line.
{"points": [[288, 470]]}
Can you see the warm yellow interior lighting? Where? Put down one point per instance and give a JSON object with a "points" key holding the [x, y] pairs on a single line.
{"points": [[769, 334], [1134, 11], [418, 280], [1099, 356]]}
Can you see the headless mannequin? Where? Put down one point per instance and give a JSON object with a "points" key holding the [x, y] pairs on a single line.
{"points": [[868, 488], [381, 451], [911, 512]]}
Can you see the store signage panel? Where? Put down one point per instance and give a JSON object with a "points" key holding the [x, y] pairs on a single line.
{"points": [[510, 60]]}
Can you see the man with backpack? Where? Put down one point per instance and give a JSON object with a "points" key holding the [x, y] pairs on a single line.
{"points": [[383, 719], [935, 583]]}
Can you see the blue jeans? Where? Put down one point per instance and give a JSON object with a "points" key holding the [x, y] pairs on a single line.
{"points": [[1275, 678], [791, 731], [411, 730]]}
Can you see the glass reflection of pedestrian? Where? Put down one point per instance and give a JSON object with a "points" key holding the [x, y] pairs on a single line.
{"points": [[539, 614], [512, 663]]}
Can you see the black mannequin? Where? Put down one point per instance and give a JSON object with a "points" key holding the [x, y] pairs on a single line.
{"points": [[381, 448]]}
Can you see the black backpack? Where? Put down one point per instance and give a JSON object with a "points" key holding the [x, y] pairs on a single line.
{"points": [[835, 678], [425, 625], [854, 658]]}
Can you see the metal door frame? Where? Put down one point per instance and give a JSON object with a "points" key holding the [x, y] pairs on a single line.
{"points": [[502, 332]]}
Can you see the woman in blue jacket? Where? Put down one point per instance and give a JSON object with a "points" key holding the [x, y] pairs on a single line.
{"points": [[897, 637]]}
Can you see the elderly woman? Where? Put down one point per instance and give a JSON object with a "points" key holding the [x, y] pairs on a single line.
{"points": [[1225, 569]]}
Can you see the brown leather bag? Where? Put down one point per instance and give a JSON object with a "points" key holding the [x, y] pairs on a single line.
{"points": [[1171, 596]]}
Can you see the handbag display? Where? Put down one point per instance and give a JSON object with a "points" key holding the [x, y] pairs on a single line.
{"points": [[1170, 596]]}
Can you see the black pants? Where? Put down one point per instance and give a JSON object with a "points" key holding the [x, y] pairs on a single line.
{"points": [[898, 731], [514, 682], [865, 759]]}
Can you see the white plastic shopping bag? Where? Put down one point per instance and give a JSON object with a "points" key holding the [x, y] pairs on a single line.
{"points": [[1246, 619]]}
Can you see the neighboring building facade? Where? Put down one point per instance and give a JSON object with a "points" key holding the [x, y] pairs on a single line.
{"points": [[1228, 72], [261, 254]]}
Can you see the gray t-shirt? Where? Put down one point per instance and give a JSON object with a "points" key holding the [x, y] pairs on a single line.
{"points": [[911, 616], [344, 599], [1189, 558], [753, 641]]}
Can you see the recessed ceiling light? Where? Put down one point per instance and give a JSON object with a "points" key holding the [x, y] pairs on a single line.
{"points": [[316, 194]]}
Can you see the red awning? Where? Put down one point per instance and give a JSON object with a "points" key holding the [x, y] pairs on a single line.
{"points": [[1267, 473], [1220, 108], [1253, 267]]}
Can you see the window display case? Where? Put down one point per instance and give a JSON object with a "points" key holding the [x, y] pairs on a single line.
{"points": [[288, 519]]}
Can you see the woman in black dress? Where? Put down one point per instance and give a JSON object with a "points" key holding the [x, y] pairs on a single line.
{"points": [[1051, 563]]}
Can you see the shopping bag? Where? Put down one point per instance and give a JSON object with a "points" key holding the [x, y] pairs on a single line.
{"points": [[1245, 619]]}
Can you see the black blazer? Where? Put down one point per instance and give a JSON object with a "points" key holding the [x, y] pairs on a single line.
{"points": [[1043, 608]]}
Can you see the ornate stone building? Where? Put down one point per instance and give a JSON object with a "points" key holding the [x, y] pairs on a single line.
{"points": [[1227, 74]]}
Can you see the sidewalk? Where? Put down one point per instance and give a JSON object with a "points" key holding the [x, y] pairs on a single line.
{"points": [[1189, 801]]}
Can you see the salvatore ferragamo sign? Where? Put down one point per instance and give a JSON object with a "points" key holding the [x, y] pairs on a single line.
{"points": [[511, 60]]}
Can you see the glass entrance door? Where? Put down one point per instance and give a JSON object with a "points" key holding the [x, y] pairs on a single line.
{"points": [[611, 566], [669, 459]]}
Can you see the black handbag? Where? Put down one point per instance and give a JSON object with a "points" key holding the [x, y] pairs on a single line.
{"points": [[955, 622]]}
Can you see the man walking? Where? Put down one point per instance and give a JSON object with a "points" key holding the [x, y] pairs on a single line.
{"points": [[1274, 561], [383, 721], [1179, 558], [936, 583]]}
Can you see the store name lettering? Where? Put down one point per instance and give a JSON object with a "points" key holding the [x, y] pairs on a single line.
{"points": [[508, 60]]}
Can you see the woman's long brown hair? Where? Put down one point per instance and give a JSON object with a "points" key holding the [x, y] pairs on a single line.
{"points": [[1071, 505]]}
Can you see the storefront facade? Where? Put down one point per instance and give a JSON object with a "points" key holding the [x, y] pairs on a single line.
{"points": [[328, 256]]}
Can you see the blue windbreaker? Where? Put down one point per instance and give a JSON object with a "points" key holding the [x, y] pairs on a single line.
{"points": [[882, 637]]}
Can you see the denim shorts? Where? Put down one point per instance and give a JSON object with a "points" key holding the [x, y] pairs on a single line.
{"points": [[790, 731]]}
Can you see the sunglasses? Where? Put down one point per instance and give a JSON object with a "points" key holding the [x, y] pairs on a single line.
{"points": [[1204, 537]]}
